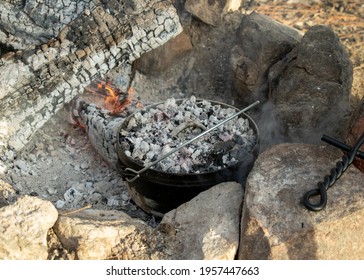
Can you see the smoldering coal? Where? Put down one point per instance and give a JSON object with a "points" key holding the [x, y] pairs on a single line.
{"points": [[157, 130]]}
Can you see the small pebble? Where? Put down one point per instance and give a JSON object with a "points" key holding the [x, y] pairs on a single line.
{"points": [[54, 153], [77, 167], [40, 146], [96, 198], [125, 196], [113, 201], [51, 190], [60, 204], [102, 186], [85, 165], [21, 165], [81, 187], [72, 196], [10, 154], [33, 158]]}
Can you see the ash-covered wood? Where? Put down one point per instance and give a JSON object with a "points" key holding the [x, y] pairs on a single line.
{"points": [[100, 124], [101, 129], [52, 49]]}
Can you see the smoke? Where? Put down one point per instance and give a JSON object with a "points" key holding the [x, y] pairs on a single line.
{"points": [[274, 130], [271, 129]]}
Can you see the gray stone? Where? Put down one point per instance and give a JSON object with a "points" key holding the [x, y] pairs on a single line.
{"points": [[85, 165], [24, 227], [102, 186], [73, 196], [260, 43], [310, 87], [77, 167], [159, 59], [207, 227], [96, 198], [92, 234], [60, 204], [21, 164], [51, 190], [10, 154], [276, 225]]}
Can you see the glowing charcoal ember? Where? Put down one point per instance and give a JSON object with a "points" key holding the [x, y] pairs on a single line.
{"points": [[170, 124]]}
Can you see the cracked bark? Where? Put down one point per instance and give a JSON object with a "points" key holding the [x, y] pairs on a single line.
{"points": [[58, 47]]}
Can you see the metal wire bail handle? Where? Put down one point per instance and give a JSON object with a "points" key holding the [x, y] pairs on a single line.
{"points": [[329, 180], [138, 172]]}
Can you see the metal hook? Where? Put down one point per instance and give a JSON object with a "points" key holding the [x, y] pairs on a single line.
{"points": [[322, 192], [138, 172], [335, 173]]}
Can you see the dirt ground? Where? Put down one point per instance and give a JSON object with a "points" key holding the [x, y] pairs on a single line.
{"points": [[345, 17]]}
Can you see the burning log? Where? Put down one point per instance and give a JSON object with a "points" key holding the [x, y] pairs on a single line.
{"points": [[101, 115], [101, 129], [58, 48]]}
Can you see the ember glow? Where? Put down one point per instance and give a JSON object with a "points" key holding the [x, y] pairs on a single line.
{"points": [[113, 99], [222, 148], [111, 95], [108, 96]]}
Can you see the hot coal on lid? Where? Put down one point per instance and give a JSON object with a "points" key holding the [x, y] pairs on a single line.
{"points": [[155, 131]]}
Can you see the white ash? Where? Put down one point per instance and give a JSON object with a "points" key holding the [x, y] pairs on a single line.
{"points": [[155, 131], [72, 174]]}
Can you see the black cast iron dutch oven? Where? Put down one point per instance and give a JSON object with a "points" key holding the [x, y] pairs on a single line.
{"points": [[158, 192]]}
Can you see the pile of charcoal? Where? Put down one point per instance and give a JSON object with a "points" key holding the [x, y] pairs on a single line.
{"points": [[156, 130]]}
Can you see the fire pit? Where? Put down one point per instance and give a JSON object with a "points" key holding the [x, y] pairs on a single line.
{"points": [[225, 154]]}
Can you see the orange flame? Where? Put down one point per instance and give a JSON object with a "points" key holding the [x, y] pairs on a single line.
{"points": [[112, 101]]}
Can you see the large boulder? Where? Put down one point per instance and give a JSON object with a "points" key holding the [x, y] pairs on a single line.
{"points": [[260, 43], [310, 87], [207, 227], [24, 227], [92, 234], [276, 225]]}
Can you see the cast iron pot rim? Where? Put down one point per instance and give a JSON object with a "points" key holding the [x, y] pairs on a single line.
{"points": [[138, 166]]}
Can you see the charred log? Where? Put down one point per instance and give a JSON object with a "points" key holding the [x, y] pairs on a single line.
{"points": [[100, 124], [62, 51], [101, 129]]}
